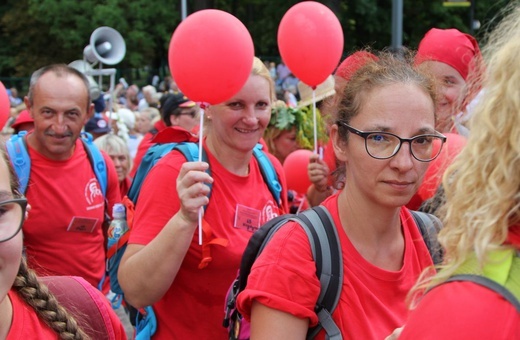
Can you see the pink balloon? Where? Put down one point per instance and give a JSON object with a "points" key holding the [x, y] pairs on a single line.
{"points": [[310, 40], [295, 168], [210, 56], [5, 105]]}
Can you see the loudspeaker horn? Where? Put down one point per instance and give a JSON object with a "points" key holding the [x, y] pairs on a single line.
{"points": [[106, 46], [85, 68]]}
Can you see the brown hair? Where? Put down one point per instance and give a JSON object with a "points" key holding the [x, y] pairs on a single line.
{"points": [[389, 69], [37, 295]]}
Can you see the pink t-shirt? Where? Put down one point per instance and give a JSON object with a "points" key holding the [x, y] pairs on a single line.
{"points": [[63, 234], [193, 307], [372, 302]]}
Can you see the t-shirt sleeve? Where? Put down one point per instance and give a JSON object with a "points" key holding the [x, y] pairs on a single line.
{"points": [[158, 200], [284, 276], [462, 310]]}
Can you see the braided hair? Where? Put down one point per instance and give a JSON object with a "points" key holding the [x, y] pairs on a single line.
{"points": [[38, 296]]}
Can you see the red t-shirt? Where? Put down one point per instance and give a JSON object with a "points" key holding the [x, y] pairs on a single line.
{"points": [[124, 186], [465, 310], [63, 234], [193, 307], [144, 145], [462, 310], [27, 325], [372, 302]]}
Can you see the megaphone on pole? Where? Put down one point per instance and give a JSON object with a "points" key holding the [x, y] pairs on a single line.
{"points": [[106, 46], [86, 69]]}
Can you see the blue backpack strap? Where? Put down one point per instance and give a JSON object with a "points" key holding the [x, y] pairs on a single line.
{"points": [[96, 159], [19, 156], [268, 173], [191, 153], [146, 324]]}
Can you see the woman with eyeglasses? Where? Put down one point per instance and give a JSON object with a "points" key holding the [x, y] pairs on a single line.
{"points": [[384, 134], [27, 307]]}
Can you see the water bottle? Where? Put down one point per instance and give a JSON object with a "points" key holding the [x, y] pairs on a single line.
{"points": [[118, 226]]}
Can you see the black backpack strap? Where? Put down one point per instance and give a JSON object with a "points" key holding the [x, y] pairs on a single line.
{"points": [[429, 225], [326, 250], [256, 245], [490, 284]]}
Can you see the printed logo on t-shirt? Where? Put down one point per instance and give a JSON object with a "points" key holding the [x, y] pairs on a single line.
{"points": [[269, 212], [92, 190]]}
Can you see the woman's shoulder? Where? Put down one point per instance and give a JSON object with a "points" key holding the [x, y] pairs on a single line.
{"points": [[462, 310], [26, 322]]}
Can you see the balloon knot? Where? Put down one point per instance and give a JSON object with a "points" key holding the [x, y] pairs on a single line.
{"points": [[203, 105]]}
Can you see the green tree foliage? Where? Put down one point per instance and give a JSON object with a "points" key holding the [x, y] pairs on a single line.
{"points": [[38, 32]]}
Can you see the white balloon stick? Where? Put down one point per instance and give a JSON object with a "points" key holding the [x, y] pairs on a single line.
{"points": [[314, 120], [201, 133]]}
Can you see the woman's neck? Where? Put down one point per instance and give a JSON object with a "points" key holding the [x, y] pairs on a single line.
{"points": [[233, 160], [373, 230]]}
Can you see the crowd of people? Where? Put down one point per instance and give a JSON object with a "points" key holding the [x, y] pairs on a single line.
{"points": [[389, 124]]}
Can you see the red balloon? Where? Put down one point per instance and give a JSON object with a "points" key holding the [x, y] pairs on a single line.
{"points": [[210, 56], [295, 167], [433, 177], [5, 105], [310, 40]]}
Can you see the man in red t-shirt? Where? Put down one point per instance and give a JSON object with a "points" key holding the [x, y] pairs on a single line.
{"points": [[64, 234]]}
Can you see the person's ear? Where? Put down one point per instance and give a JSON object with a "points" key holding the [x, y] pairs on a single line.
{"points": [[90, 111], [28, 106], [338, 144], [174, 120]]}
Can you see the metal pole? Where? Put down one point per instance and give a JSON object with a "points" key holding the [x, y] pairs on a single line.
{"points": [[184, 10], [397, 24], [471, 16]]}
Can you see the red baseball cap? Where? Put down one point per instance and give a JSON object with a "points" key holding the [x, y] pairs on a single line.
{"points": [[23, 117], [449, 46]]}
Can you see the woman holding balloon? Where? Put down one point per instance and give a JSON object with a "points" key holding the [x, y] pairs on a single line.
{"points": [[162, 264], [383, 133]]}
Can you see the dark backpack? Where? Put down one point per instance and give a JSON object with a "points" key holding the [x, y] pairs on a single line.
{"points": [[146, 322], [326, 251]]}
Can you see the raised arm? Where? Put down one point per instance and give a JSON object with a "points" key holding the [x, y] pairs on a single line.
{"points": [[147, 271]]}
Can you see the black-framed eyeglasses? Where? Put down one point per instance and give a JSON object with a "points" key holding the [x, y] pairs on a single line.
{"points": [[12, 215], [384, 145]]}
